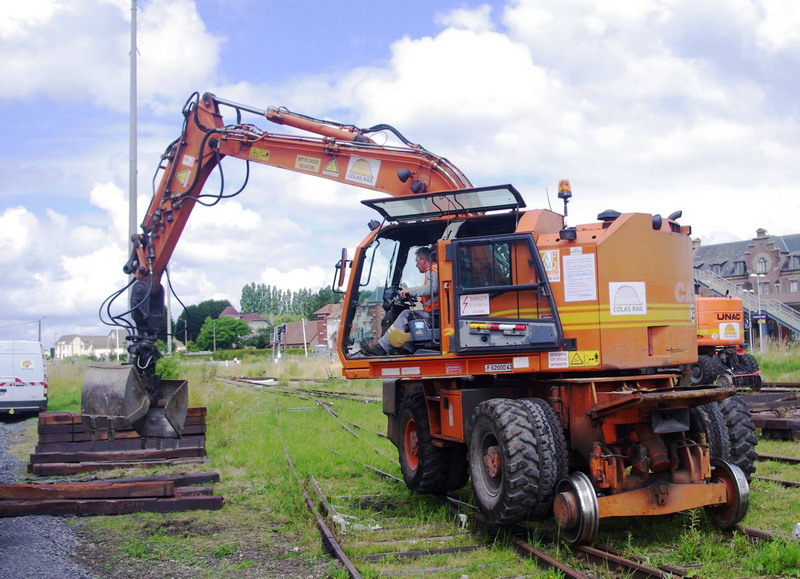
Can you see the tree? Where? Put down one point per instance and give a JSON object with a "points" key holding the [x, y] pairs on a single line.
{"points": [[269, 301], [321, 299], [225, 333], [261, 338], [192, 318]]}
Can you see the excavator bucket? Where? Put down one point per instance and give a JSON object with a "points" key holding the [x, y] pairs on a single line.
{"points": [[167, 417], [114, 397]]}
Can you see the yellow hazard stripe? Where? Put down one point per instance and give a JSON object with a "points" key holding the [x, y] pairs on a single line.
{"points": [[592, 317]]}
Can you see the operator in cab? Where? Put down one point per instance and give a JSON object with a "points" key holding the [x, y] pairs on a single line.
{"points": [[427, 294]]}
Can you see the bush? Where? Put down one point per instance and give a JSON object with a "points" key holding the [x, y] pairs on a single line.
{"points": [[168, 368]]}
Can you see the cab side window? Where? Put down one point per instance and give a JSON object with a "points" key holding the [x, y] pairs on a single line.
{"points": [[485, 265]]}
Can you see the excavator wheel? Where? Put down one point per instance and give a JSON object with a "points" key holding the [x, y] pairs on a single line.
{"points": [[504, 461], [705, 371], [726, 516], [741, 432], [552, 446], [751, 364], [708, 419], [424, 466]]}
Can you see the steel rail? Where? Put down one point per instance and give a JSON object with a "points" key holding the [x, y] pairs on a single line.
{"points": [[327, 535], [778, 458]]}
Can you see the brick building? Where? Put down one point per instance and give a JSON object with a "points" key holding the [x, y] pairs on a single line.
{"points": [[763, 270]]}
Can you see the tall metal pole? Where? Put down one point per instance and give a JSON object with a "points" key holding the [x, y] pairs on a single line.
{"points": [[132, 192], [761, 322]]}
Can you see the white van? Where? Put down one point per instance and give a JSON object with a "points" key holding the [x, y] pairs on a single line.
{"points": [[23, 377]]}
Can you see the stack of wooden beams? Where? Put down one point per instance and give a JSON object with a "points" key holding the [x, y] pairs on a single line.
{"points": [[67, 447], [111, 497], [777, 414]]}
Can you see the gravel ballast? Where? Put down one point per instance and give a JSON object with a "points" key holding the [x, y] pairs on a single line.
{"points": [[34, 546]]}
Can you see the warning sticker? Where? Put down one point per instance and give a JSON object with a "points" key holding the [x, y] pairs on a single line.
{"points": [[331, 168], [257, 154], [558, 359], [580, 278], [521, 362], [453, 368], [183, 177], [188, 160], [306, 163], [364, 171], [552, 265], [475, 305], [584, 358], [627, 298]]}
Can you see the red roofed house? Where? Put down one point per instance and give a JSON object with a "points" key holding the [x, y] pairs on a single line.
{"points": [[255, 321]]}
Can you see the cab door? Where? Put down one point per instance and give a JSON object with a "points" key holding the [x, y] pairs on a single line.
{"points": [[502, 299]]}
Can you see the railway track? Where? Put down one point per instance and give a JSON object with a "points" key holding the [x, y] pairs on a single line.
{"points": [[374, 539]]}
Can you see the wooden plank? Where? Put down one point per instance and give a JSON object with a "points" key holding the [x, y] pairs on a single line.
{"points": [[772, 422], [193, 491], [194, 423], [181, 480], [58, 491], [62, 468], [780, 433], [109, 506], [191, 441], [113, 456], [51, 418]]}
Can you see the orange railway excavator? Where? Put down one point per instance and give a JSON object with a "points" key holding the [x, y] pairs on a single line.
{"points": [[543, 371], [722, 357]]}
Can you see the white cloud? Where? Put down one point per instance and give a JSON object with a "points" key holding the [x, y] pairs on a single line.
{"points": [[17, 227], [779, 29], [476, 19], [297, 278], [81, 50], [645, 106]]}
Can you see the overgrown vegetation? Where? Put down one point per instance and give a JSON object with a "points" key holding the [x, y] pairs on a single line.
{"points": [[265, 528]]}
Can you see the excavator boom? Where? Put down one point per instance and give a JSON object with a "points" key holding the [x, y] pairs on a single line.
{"points": [[325, 149]]}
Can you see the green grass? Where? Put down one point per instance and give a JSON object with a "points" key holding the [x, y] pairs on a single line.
{"points": [[780, 363], [265, 521]]}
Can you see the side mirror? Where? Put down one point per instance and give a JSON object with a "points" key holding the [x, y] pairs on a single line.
{"points": [[342, 266]]}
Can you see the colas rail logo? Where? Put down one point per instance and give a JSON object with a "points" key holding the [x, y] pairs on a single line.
{"points": [[627, 298]]}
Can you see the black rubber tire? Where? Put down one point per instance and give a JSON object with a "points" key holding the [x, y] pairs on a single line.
{"points": [[705, 371], [508, 496], [751, 364], [708, 419], [424, 465], [553, 456], [457, 467], [741, 433], [749, 361]]}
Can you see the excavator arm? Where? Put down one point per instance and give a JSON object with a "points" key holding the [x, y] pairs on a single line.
{"points": [[325, 149], [337, 152]]}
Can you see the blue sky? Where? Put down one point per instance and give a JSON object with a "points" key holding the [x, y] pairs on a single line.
{"points": [[648, 106]]}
